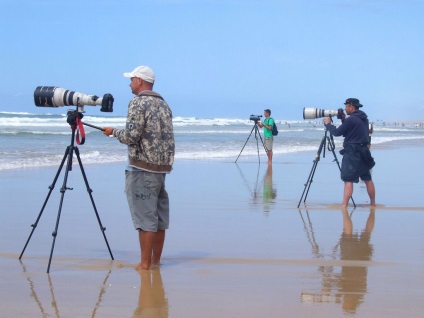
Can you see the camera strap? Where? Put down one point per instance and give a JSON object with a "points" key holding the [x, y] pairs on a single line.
{"points": [[150, 93], [79, 127]]}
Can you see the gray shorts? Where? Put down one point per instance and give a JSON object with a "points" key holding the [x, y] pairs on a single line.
{"points": [[148, 200], [268, 143]]}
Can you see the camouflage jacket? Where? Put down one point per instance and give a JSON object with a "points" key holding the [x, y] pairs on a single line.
{"points": [[149, 133]]}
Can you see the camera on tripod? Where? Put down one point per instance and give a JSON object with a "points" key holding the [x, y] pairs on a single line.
{"points": [[52, 96], [255, 118]]}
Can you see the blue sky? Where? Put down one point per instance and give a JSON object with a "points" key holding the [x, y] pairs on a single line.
{"points": [[220, 58]]}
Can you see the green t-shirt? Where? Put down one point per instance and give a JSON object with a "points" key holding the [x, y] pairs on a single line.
{"points": [[268, 122]]}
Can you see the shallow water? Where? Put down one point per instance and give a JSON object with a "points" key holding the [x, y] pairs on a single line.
{"points": [[237, 244]]}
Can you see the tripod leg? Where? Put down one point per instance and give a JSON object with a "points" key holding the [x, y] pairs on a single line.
{"points": [[257, 132], [263, 144], [245, 143], [103, 229], [309, 181], [338, 164], [62, 190], [257, 142], [51, 187], [314, 166]]}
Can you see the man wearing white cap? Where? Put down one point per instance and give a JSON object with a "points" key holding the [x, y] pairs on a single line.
{"points": [[151, 147]]}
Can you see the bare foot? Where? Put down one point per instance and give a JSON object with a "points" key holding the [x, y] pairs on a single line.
{"points": [[155, 266], [140, 267]]}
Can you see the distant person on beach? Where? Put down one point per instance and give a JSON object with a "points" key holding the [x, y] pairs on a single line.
{"points": [[269, 140], [370, 131], [150, 139], [357, 160]]}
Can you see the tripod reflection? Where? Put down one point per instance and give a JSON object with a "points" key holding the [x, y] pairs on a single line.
{"points": [[54, 306], [268, 194], [348, 285], [151, 300]]}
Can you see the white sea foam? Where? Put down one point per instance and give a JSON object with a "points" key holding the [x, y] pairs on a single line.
{"points": [[380, 140], [33, 140], [398, 129], [16, 113], [93, 157], [35, 132]]}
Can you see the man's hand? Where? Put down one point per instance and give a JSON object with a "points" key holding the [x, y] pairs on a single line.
{"points": [[326, 120], [107, 130]]}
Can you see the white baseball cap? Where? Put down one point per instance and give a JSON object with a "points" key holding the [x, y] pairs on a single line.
{"points": [[143, 72]]}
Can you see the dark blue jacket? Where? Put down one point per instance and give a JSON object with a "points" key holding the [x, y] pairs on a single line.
{"points": [[354, 129]]}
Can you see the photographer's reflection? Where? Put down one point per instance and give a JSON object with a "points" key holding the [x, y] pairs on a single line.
{"points": [[352, 283], [151, 300], [347, 286], [269, 192]]}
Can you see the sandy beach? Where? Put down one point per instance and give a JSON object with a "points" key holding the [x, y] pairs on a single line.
{"points": [[237, 246]]}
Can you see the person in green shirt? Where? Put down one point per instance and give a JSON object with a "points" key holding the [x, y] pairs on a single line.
{"points": [[267, 126]]}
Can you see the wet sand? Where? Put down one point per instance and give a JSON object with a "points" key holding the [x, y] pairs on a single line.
{"points": [[237, 246]]}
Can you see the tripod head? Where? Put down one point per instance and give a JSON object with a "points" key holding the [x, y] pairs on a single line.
{"points": [[331, 144], [72, 117], [74, 120], [327, 142]]}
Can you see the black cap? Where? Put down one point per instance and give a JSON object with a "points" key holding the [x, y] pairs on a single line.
{"points": [[353, 101]]}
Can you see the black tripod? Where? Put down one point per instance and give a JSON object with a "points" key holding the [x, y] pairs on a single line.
{"points": [[73, 117], [329, 141], [257, 132]]}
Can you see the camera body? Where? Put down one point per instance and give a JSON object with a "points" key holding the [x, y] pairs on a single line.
{"points": [[52, 96], [255, 118]]}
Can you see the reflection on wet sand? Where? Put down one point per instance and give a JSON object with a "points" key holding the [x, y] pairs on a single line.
{"points": [[348, 286], [151, 300], [352, 281], [34, 294], [54, 305], [269, 192]]}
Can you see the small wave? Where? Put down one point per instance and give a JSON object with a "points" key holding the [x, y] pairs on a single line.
{"points": [[214, 132], [380, 140], [93, 157], [40, 132], [394, 129], [17, 132], [16, 113]]}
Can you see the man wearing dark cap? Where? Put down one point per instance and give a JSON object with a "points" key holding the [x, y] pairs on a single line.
{"points": [[357, 160]]}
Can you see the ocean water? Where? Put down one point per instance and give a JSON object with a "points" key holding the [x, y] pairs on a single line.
{"points": [[39, 140]]}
